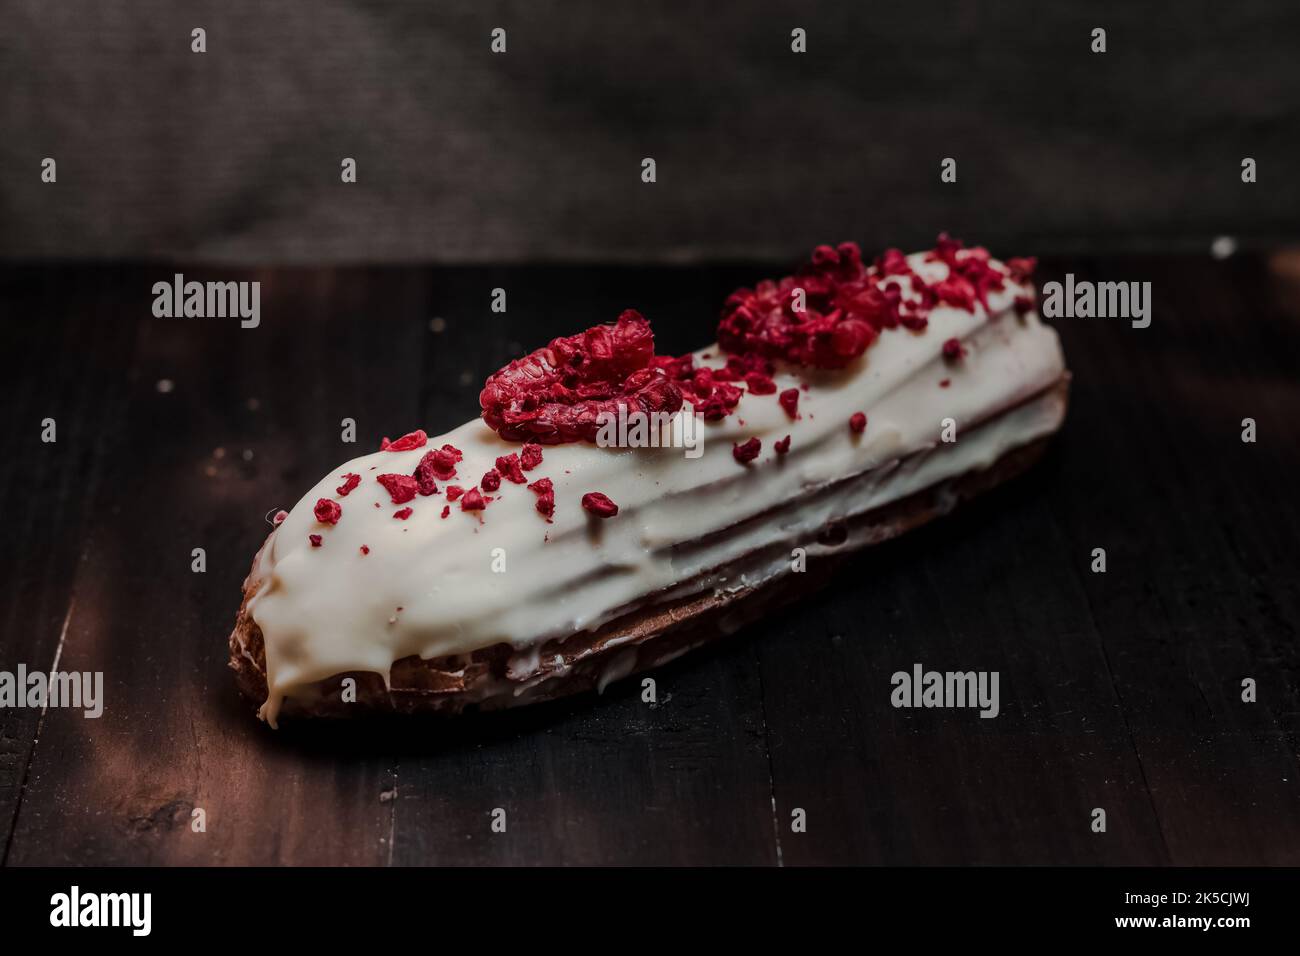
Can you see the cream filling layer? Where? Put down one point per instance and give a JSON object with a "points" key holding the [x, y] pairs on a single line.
{"points": [[436, 587]]}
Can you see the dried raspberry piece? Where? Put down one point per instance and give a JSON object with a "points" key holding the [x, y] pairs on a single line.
{"points": [[945, 383], [545, 492], [747, 452], [1024, 304], [782, 445], [721, 403], [472, 501], [953, 350], [408, 442], [760, 384], [599, 505], [789, 400], [1021, 268], [328, 511], [350, 481], [440, 463], [279, 517], [557, 393], [531, 456], [314, 539], [508, 465], [491, 480], [454, 492], [401, 514], [956, 291], [677, 369], [365, 549], [843, 308], [402, 488], [858, 422], [446, 510]]}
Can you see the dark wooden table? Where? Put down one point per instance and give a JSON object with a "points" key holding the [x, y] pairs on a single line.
{"points": [[1119, 690]]}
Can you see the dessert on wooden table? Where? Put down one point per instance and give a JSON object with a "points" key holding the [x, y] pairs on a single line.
{"points": [[532, 553]]}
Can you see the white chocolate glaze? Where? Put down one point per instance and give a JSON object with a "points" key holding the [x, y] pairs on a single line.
{"points": [[427, 585]]}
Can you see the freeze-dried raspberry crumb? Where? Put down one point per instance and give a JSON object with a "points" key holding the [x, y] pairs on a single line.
{"points": [[279, 517], [721, 403], [314, 539], [508, 465], [402, 488], [328, 511], [1021, 268], [782, 445], [945, 383], [842, 307], [545, 492], [365, 549], [789, 400], [454, 492], [1024, 304], [599, 504], [401, 514], [440, 463], [446, 510], [491, 480], [531, 456], [858, 422], [747, 452], [559, 393], [759, 384], [472, 501], [953, 350], [408, 442], [350, 481]]}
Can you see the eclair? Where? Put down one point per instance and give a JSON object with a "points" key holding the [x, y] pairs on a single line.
{"points": [[613, 508]]}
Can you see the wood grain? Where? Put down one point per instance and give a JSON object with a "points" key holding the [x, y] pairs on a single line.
{"points": [[1119, 690]]}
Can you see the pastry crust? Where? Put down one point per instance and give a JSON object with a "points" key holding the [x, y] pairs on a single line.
{"points": [[639, 640]]}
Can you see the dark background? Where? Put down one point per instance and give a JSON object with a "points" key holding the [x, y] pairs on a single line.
{"points": [[534, 155], [521, 171]]}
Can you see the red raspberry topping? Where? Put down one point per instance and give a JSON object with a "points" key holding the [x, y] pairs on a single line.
{"points": [[440, 463], [789, 400], [858, 422], [314, 539], [782, 446], [328, 511], [760, 384], [508, 465], [278, 518], [365, 549], [402, 514], [1024, 304], [472, 501], [599, 505], [1022, 269], [402, 488], [446, 510], [747, 452], [350, 481], [952, 350], [545, 492], [454, 492], [847, 304], [408, 442], [557, 393], [531, 456], [491, 481]]}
